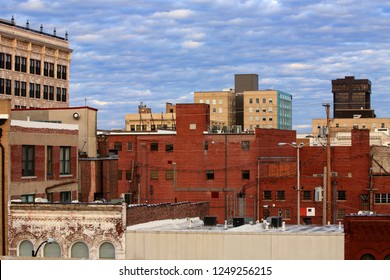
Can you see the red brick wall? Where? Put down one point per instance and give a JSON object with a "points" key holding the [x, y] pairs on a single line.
{"points": [[142, 213], [367, 235]]}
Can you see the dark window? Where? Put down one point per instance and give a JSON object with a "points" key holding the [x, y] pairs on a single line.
{"points": [[341, 195], [17, 63], [8, 87], [209, 174], [245, 174], [51, 70], [244, 145], [37, 67], [32, 66], [23, 91], [23, 62], [118, 146], [27, 197], [51, 93], [2, 60], [65, 197], [154, 175], [306, 195], [129, 146], [2, 86], [58, 94], [37, 91], [63, 72], [8, 61], [169, 147], [58, 71], [267, 195], [45, 92], [28, 160], [65, 168], [32, 90], [205, 145], [382, 198], [169, 174], [129, 175], [17, 88], [340, 213], [49, 161], [154, 146], [280, 195], [64, 95]]}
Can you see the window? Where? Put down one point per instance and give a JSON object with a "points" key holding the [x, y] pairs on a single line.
{"points": [[257, 100], [107, 251], [264, 100], [65, 197], [35, 67], [250, 100], [52, 250], [205, 145], [2, 60], [382, 198], [306, 195], [23, 91], [280, 195], [209, 174], [168, 174], [367, 257], [214, 110], [79, 251], [154, 175], [245, 174], [27, 197], [119, 175], [169, 147], [25, 249], [49, 161], [129, 146], [63, 95], [287, 214], [8, 87], [28, 160], [65, 168], [118, 146], [58, 96], [37, 91], [51, 93], [341, 195], [32, 90], [2, 85], [129, 175], [267, 195], [45, 92], [8, 61], [270, 101], [154, 146], [17, 88], [340, 213], [244, 145]]}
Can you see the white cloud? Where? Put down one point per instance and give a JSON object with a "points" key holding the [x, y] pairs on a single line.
{"points": [[175, 14], [191, 44]]}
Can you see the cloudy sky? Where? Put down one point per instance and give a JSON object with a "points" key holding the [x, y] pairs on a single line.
{"points": [[131, 51]]}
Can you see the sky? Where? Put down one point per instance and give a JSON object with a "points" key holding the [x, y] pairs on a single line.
{"points": [[131, 51]]}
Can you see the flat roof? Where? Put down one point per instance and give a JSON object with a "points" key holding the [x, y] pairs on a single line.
{"points": [[196, 224]]}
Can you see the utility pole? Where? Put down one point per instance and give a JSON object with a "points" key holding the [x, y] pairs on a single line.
{"points": [[328, 165]]}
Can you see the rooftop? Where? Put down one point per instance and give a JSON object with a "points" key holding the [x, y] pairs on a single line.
{"points": [[196, 224]]}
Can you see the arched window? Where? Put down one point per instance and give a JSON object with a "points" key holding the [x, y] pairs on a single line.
{"points": [[367, 257], [107, 251], [80, 251], [387, 257], [52, 250], [25, 249]]}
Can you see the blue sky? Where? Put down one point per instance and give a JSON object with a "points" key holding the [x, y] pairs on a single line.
{"points": [[131, 51]]}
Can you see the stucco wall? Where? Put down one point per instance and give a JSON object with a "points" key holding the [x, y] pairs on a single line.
{"points": [[224, 245]]}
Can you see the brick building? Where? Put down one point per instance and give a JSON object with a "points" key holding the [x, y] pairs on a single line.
{"points": [[84, 230], [194, 164], [367, 237]]}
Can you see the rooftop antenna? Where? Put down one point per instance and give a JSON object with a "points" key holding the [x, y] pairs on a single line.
{"points": [[66, 35], [27, 25], [54, 32], [41, 28], [13, 20], [85, 102]]}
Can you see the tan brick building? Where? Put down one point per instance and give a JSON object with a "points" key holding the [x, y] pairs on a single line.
{"points": [[34, 67]]}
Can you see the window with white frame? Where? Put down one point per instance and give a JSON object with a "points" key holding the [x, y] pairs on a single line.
{"points": [[65, 168]]}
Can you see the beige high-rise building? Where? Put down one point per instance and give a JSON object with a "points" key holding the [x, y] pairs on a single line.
{"points": [[246, 107], [222, 106], [34, 67], [267, 109], [145, 120]]}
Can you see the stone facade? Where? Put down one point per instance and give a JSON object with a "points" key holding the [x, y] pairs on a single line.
{"points": [[34, 67]]}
